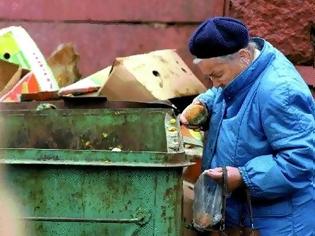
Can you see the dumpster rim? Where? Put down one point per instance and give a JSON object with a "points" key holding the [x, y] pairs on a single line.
{"points": [[95, 157]]}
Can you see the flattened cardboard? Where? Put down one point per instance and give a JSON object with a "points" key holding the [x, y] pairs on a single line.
{"points": [[28, 84], [88, 85], [10, 74], [7, 71], [16, 46]]}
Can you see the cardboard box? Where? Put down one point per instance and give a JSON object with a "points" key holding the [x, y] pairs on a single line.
{"points": [[7, 71], [28, 84], [158, 75], [17, 46], [10, 74]]}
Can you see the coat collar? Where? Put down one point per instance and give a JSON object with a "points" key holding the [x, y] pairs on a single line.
{"points": [[243, 81]]}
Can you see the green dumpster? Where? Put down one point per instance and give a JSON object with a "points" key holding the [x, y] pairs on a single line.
{"points": [[95, 171]]}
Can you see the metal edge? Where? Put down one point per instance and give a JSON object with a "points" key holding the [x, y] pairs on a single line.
{"points": [[81, 163], [52, 156]]}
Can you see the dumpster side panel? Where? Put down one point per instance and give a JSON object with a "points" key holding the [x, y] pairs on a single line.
{"points": [[85, 192], [169, 195], [85, 130]]}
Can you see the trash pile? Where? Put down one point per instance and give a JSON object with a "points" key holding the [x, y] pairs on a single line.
{"points": [[23, 67], [157, 75], [151, 77]]}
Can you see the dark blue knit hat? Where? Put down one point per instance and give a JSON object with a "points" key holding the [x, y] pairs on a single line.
{"points": [[218, 36]]}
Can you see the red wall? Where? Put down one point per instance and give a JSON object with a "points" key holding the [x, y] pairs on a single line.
{"points": [[105, 29], [284, 23]]}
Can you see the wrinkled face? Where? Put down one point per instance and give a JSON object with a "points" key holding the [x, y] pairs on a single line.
{"points": [[221, 71]]}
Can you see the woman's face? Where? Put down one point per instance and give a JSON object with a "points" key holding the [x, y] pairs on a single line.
{"points": [[221, 71]]}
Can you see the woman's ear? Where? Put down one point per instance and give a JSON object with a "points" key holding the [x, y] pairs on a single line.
{"points": [[245, 57]]}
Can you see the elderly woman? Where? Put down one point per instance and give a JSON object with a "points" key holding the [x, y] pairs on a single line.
{"points": [[261, 128]]}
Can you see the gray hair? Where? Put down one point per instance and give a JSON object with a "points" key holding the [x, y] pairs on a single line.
{"points": [[251, 47]]}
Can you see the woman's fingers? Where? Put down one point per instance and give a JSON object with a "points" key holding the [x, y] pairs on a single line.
{"points": [[215, 174], [234, 177], [183, 119]]}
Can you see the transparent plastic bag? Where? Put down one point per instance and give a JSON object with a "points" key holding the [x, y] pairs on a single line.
{"points": [[207, 206]]}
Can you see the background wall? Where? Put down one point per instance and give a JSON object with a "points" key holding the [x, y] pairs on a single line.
{"points": [[105, 29], [286, 24]]}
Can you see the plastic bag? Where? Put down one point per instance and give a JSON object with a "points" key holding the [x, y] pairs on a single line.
{"points": [[207, 206]]}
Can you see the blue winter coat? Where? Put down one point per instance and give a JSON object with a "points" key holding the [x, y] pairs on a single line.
{"points": [[264, 123]]}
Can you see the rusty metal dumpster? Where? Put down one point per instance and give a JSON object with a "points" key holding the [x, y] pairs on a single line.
{"points": [[95, 171]]}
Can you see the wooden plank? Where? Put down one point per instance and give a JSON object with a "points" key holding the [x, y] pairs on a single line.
{"points": [[109, 10], [98, 45]]}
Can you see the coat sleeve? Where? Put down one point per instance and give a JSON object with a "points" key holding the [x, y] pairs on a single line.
{"points": [[287, 117], [207, 98]]}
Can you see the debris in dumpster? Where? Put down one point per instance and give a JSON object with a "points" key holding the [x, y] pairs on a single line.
{"points": [[193, 147], [104, 135], [64, 64], [88, 144], [172, 129], [28, 84], [116, 149], [157, 75], [40, 96], [172, 121], [45, 106], [197, 134], [7, 71], [193, 141], [16, 46], [10, 74], [188, 146], [90, 84], [14, 79]]}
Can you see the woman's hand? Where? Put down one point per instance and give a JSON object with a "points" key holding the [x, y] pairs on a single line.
{"points": [[234, 178], [195, 114]]}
